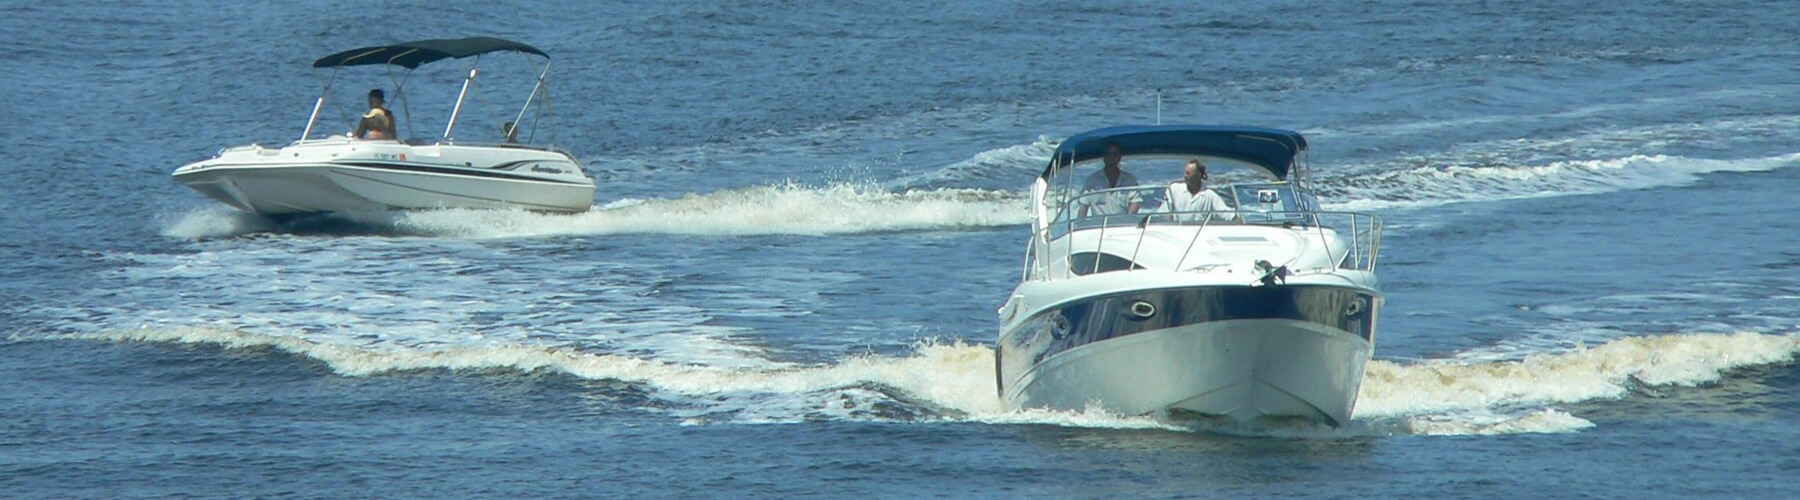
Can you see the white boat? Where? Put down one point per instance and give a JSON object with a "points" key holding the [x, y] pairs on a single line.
{"points": [[342, 173], [1268, 316]]}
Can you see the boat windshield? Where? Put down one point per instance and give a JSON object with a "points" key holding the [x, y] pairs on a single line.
{"points": [[1270, 202], [1253, 203]]}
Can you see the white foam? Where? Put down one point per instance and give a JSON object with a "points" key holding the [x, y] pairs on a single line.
{"points": [[1540, 421], [851, 208], [779, 209], [956, 377], [214, 222], [1437, 397], [1016, 164], [1438, 185], [764, 210], [1438, 386]]}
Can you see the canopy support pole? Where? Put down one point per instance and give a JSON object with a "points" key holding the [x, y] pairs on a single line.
{"points": [[544, 111], [1069, 195], [400, 95], [459, 102], [512, 135], [318, 105]]}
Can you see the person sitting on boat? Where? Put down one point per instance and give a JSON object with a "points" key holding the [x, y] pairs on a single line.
{"points": [[1110, 176], [1190, 198], [511, 132], [378, 122]]}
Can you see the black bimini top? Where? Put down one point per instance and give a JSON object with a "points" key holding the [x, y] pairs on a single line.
{"points": [[411, 55]]}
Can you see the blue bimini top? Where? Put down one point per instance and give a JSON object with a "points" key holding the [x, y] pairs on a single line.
{"points": [[1272, 150]]}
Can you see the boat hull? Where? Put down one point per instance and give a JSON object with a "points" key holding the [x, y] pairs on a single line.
{"points": [[1243, 352], [313, 188], [346, 175]]}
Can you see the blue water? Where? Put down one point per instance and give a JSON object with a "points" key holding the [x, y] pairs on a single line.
{"points": [[808, 213]]}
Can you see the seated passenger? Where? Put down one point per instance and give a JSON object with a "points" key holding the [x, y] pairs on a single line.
{"points": [[1109, 177], [510, 131], [1190, 196], [378, 122]]}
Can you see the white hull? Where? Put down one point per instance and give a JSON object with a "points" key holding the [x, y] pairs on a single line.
{"points": [[1243, 301], [1242, 369], [1179, 319], [339, 175]]}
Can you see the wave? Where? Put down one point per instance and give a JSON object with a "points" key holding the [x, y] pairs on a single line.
{"points": [[1011, 165], [926, 202], [1491, 172], [939, 373], [785, 209], [1464, 396], [955, 381], [214, 222], [1425, 186]]}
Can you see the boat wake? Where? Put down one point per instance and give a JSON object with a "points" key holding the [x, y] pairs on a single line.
{"points": [[954, 381], [785, 209], [1445, 183], [928, 201], [1001, 166]]}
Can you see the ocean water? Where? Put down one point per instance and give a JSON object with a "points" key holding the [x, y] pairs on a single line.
{"points": [[809, 211]]}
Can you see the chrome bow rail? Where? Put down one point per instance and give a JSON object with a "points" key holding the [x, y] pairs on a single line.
{"points": [[1360, 231]]}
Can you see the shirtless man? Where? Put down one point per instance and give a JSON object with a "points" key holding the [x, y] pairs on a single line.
{"points": [[378, 122]]}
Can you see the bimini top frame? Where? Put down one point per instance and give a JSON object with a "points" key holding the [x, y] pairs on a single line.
{"points": [[1272, 150], [411, 55]]}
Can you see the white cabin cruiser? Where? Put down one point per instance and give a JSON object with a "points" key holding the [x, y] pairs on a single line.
{"points": [[1265, 311], [343, 173]]}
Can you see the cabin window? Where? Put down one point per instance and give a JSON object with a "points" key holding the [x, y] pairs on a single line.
{"points": [[1085, 263]]}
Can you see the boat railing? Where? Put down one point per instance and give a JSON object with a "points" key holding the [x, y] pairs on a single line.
{"points": [[341, 139], [1118, 238]]}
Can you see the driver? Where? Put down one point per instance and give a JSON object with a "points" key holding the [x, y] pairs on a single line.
{"points": [[378, 122], [1110, 177]]}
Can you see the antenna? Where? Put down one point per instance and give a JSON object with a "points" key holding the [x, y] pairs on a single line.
{"points": [[1159, 106]]}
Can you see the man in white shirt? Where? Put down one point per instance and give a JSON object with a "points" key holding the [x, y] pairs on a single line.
{"points": [[1110, 177], [1190, 195]]}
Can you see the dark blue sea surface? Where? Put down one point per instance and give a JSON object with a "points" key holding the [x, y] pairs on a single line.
{"points": [[809, 211]]}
